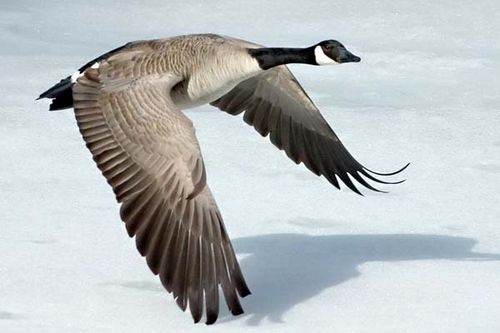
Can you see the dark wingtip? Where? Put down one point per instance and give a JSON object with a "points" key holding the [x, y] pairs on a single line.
{"points": [[390, 173], [354, 188], [211, 318], [246, 293], [363, 182], [367, 173], [374, 189], [361, 194], [237, 311], [241, 286]]}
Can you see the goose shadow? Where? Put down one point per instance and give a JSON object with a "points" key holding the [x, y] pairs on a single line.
{"points": [[284, 270]]}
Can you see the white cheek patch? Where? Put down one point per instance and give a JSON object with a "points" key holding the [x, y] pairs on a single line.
{"points": [[322, 58]]}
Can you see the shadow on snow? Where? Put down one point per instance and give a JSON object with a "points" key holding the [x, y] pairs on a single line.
{"points": [[283, 270]]}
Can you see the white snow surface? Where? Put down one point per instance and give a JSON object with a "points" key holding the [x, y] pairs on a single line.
{"points": [[423, 258]]}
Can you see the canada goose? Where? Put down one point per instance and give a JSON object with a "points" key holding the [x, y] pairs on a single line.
{"points": [[128, 105]]}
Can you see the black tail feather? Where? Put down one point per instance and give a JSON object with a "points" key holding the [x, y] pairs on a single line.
{"points": [[61, 94], [63, 101]]}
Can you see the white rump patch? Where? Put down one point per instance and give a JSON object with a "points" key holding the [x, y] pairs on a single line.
{"points": [[322, 58], [75, 76]]}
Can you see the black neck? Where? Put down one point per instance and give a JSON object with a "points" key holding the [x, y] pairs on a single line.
{"points": [[275, 56]]}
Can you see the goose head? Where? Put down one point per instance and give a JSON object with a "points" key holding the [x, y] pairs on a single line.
{"points": [[331, 52]]}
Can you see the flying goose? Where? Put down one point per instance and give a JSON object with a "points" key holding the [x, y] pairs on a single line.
{"points": [[128, 105]]}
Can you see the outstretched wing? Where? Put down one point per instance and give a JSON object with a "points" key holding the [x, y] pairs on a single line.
{"points": [[274, 103], [147, 150]]}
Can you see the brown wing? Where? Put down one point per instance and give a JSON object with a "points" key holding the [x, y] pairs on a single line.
{"points": [[147, 150], [274, 103]]}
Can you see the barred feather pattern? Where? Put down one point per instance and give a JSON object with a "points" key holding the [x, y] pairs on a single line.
{"points": [[147, 151]]}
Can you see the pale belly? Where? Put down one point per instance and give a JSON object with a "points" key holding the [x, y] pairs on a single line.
{"points": [[210, 84], [186, 98]]}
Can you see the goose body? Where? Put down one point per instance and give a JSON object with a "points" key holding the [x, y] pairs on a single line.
{"points": [[128, 105]]}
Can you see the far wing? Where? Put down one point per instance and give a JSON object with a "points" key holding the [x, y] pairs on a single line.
{"points": [[274, 103]]}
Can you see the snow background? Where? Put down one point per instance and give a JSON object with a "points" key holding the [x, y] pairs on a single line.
{"points": [[423, 258]]}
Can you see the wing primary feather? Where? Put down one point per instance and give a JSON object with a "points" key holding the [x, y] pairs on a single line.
{"points": [[363, 182], [194, 289], [156, 248], [390, 173], [211, 287], [375, 179], [182, 248], [230, 296], [170, 255], [144, 231]]}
